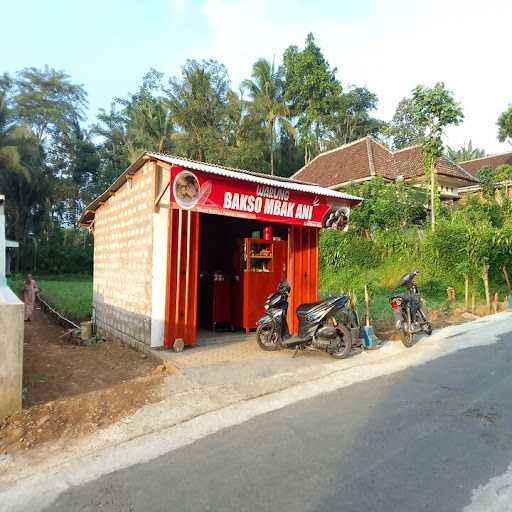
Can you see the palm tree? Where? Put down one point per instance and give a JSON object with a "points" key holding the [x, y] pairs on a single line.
{"points": [[9, 155], [198, 105], [464, 153], [266, 92], [151, 126]]}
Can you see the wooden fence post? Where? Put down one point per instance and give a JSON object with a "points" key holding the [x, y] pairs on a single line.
{"points": [[466, 292], [495, 303], [485, 277], [507, 280]]}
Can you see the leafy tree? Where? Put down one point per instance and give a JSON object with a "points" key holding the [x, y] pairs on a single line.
{"points": [[113, 148], [10, 159], [387, 206], [505, 126], [465, 152], [350, 119], [436, 109], [77, 160], [48, 101], [146, 117], [487, 177], [198, 103], [405, 129], [503, 172], [311, 90], [290, 155], [244, 135], [268, 106]]}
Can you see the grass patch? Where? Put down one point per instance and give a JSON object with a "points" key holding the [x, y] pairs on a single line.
{"points": [[382, 280], [70, 294]]}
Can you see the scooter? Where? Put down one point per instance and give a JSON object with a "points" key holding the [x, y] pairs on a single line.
{"points": [[410, 319], [318, 327]]}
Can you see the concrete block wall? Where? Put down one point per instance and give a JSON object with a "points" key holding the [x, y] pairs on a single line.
{"points": [[123, 261], [11, 350]]}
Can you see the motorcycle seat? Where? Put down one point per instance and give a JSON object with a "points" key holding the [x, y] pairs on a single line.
{"points": [[304, 309]]}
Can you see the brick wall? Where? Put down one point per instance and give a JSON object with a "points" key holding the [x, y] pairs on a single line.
{"points": [[123, 261]]}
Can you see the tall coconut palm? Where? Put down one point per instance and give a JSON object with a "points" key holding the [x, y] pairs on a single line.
{"points": [[151, 126], [465, 152], [9, 154], [267, 95], [198, 104]]}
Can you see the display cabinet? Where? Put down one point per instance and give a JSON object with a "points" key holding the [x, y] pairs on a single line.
{"points": [[262, 264]]}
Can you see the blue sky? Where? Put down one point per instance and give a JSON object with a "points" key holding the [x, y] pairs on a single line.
{"points": [[388, 46]]}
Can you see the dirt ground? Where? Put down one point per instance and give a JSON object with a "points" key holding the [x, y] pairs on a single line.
{"points": [[71, 390]]}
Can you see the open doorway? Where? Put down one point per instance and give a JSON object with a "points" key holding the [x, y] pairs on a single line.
{"points": [[240, 263]]}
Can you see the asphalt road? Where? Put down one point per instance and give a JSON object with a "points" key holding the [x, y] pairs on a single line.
{"points": [[422, 439]]}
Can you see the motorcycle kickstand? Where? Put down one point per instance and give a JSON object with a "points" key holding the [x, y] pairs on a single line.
{"points": [[297, 349]]}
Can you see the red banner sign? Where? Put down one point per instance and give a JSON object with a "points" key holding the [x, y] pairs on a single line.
{"points": [[237, 198]]}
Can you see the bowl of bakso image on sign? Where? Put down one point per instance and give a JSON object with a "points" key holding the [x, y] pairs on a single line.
{"points": [[336, 218], [186, 190]]}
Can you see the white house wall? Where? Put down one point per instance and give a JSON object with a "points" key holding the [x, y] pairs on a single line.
{"points": [[159, 275]]}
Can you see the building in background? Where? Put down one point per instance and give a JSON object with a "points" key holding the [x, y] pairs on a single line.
{"points": [[366, 158], [11, 338], [493, 161], [503, 187], [10, 248]]}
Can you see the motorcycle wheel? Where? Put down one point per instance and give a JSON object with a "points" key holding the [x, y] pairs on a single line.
{"points": [[344, 343], [425, 324], [406, 335], [267, 337]]}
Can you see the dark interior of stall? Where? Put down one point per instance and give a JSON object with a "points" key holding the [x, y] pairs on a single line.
{"points": [[241, 261]]}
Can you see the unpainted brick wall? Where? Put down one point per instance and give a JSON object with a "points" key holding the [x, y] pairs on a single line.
{"points": [[123, 261]]}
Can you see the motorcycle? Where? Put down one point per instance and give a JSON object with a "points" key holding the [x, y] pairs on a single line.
{"points": [[410, 319], [318, 326]]}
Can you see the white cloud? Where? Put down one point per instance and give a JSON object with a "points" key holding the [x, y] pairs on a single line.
{"points": [[389, 46], [178, 6]]}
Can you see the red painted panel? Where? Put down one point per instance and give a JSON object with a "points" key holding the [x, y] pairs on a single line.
{"points": [[302, 269], [181, 289]]}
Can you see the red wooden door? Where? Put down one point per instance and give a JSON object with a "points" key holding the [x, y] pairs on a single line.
{"points": [[181, 289], [302, 270]]}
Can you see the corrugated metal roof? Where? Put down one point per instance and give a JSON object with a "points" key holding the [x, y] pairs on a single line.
{"points": [[264, 179], [229, 172]]}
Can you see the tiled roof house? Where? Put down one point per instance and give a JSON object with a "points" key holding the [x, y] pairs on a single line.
{"points": [[473, 166], [366, 158]]}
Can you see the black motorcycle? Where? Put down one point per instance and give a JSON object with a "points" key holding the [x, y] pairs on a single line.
{"points": [[409, 315], [318, 327]]}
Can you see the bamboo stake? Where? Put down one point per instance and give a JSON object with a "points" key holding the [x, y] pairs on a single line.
{"points": [[466, 292], [507, 280], [485, 277], [495, 303], [367, 305]]}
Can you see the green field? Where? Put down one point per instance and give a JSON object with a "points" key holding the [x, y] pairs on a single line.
{"points": [[70, 294]]}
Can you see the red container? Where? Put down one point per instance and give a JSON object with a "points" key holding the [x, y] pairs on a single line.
{"points": [[267, 233]]}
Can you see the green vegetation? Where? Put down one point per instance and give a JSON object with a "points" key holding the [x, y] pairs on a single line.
{"points": [[388, 236], [52, 164], [465, 152], [70, 294], [505, 125]]}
